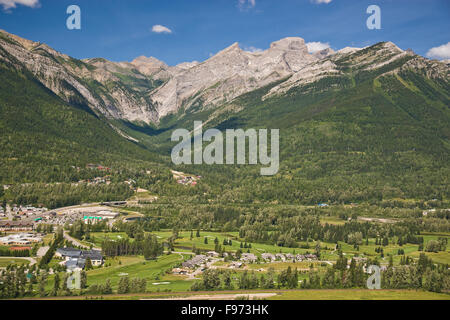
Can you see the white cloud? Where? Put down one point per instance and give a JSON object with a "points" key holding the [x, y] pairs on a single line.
{"points": [[160, 29], [252, 49], [321, 1], [9, 4], [317, 46], [441, 52], [246, 4]]}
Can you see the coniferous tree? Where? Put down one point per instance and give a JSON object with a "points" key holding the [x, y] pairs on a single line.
{"points": [[56, 284]]}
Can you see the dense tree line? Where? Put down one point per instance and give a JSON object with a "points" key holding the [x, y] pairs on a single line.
{"points": [[54, 245], [149, 247], [82, 231], [13, 282], [6, 252], [64, 194]]}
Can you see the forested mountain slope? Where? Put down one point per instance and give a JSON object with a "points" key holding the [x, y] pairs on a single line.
{"points": [[42, 136], [371, 125], [368, 124]]}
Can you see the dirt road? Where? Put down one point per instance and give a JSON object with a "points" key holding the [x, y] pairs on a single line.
{"points": [[250, 296]]}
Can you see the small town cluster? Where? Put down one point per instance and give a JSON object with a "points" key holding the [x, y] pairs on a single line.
{"points": [[201, 262]]}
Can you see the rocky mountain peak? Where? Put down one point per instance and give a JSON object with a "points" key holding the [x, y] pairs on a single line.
{"points": [[233, 49], [289, 44], [27, 44], [146, 89], [324, 53], [348, 50], [147, 60], [230, 73], [148, 65], [187, 65], [392, 47]]}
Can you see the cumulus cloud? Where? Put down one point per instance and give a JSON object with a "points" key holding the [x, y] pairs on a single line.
{"points": [[160, 29], [246, 4], [10, 4], [441, 52], [317, 46], [321, 1]]}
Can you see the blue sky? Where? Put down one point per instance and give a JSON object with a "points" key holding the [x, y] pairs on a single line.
{"points": [[122, 30]]}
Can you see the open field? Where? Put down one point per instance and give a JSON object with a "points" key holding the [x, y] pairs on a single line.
{"points": [[332, 220], [160, 281], [138, 267], [439, 257], [4, 261], [184, 244], [331, 294], [47, 239], [360, 295], [98, 237]]}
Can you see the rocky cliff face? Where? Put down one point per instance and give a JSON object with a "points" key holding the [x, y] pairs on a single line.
{"points": [[146, 89], [349, 62], [231, 73], [116, 90]]}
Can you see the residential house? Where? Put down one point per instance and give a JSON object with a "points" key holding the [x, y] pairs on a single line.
{"points": [[196, 261], [290, 256], [67, 253], [248, 257], [75, 264], [268, 257], [212, 254], [75, 258], [180, 271], [94, 255], [280, 257], [21, 225], [236, 265]]}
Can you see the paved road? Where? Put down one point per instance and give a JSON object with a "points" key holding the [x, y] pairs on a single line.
{"points": [[31, 260], [77, 206], [77, 242], [181, 253]]}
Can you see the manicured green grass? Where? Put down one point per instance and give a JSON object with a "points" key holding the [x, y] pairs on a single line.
{"points": [[47, 238], [184, 242], [439, 257], [360, 295], [4, 262], [332, 220], [138, 267], [98, 237], [325, 294]]}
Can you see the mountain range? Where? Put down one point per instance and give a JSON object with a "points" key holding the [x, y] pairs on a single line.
{"points": [[375, 116], [146, 89]]}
